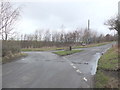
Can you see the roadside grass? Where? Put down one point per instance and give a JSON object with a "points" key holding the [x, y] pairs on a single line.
{"points": [[101, 79], [12, 57], [107, 70], [63, 48], [63, 53], [92, 45], [41, 49], [109, 61]]}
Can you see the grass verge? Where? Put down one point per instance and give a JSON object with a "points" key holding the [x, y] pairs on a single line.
{"points": [[41, 49], [108, 69], [92, 45], [12, 57], [109, 61], [62, 48], [63, 53]]}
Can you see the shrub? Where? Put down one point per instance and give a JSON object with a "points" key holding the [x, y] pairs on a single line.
{"points": [[10, 47]]}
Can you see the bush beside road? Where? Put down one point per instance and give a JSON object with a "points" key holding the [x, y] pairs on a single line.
{"points": [[10, 51], [12, 57]]}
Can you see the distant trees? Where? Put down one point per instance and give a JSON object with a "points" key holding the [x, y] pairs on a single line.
{"points": [[46, 38], [8, 18], [86, 36]]}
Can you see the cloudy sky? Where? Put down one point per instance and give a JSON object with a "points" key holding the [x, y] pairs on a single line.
{"points": [[51, 14]]}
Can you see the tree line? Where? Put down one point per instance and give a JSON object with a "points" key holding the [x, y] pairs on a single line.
{"points": [[42, 38]]}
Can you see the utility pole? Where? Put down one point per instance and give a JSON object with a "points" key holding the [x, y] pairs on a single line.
{"points": [[88, 28], [88, 24]]}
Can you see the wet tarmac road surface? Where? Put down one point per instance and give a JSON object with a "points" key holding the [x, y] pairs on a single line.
{"points": [[48, 70]]}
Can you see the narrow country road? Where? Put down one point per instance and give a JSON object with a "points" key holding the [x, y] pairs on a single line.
{"points": [[48, 70]]}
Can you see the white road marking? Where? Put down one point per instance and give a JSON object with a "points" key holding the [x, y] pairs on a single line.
{"points": [[85, 79], [78, 70], [66, 59], [71, 64], [74, 67], [22, 59]]}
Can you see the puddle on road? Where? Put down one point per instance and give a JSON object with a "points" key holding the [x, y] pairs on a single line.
{"points": [[96, 58], [94, 65]]}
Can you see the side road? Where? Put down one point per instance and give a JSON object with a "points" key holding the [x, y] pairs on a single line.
{"points": [[48, 70]]}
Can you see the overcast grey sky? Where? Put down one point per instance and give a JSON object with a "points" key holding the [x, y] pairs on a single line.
{"points": [[51, 14]]}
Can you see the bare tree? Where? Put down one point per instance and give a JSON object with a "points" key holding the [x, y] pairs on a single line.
{"points": [[40, 32], [114, 24], [53, 37], [36, 35], [8, 18], [47, 36], [61, 36], [86, 36], [25, 37]]}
